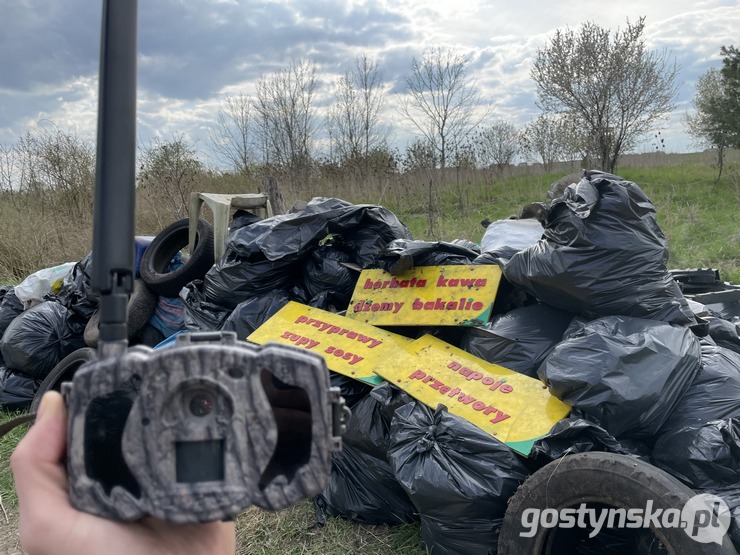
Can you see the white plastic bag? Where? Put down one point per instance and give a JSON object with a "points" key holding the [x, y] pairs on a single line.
{"points": [[31, 290], [515, 234]]}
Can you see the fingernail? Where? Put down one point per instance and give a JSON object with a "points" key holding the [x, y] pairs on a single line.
{"points": [[43, 406]]}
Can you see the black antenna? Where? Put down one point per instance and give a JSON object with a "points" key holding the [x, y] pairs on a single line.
{"points": [[115, 174]]}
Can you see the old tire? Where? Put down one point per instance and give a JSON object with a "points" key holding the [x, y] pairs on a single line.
{"points": [[62, 372], [603, 480], [141, 306], [165, 246]]}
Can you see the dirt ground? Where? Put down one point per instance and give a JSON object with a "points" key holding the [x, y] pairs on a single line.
{"points": [[9, 536]]}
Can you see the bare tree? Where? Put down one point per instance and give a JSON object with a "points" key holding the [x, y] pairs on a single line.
{"points": [[370, 84], [343, 122], [549, 139], [168, 172], [614, 86], [9, 167], [59, 168], [286, 118], [16, 165], [231, 136], [497, 145], [354, 119], [442, 101]]}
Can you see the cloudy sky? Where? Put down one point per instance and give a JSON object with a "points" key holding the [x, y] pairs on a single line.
{"points": [[193, 53]]}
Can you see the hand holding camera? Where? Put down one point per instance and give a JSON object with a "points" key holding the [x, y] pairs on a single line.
{"points": [[49, 525], [199, 431]]}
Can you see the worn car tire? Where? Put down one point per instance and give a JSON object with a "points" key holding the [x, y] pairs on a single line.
{"points": [[141, 306], [601, 479], [62, 372], [165, 246]]}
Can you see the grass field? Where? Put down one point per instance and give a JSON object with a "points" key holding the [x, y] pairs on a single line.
{"points": [[698, 216]]}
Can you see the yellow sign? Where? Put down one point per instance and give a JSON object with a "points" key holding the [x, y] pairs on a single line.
{"points": [[350, 348], [436, 295], [514, 408]]}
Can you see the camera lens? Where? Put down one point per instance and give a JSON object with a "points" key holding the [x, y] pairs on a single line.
{"points": [[201, 404]]}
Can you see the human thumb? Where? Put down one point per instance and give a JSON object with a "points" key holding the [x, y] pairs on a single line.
{"points": [[46, 441]]}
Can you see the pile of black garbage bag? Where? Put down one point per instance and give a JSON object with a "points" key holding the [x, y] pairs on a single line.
{"points": [[590, 309], [37, 336], [648, 359], [312, 256], [305, 253], [35, 339]]}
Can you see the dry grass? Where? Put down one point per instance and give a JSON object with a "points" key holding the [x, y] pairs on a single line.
{"points": [[37, 231], [294, 532]]}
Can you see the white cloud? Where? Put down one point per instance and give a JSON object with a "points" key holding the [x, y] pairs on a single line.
{"points": [[194, 53]]}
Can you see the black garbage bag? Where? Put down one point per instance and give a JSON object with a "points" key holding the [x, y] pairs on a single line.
{"points": [[324, 271], [356, 223], [702, 455], [449, 334], [725, 333], [269, 253], [362, 486], [369, 428], [576, 434], [362, 489], [626, 374], [76, 292], [235, 278], [403, 254], [731, 496], [508, 295], [5, 289], [16, 389], [40, 337], [288, 236], [243, 218], [520, 339], [500, 256], [468, 244], [714, 394], [10, 307], [323, 301], [299, 294], [351, 390], [602, 253], [252, 313], [200, 314], [458, 476], [365, 244]]}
